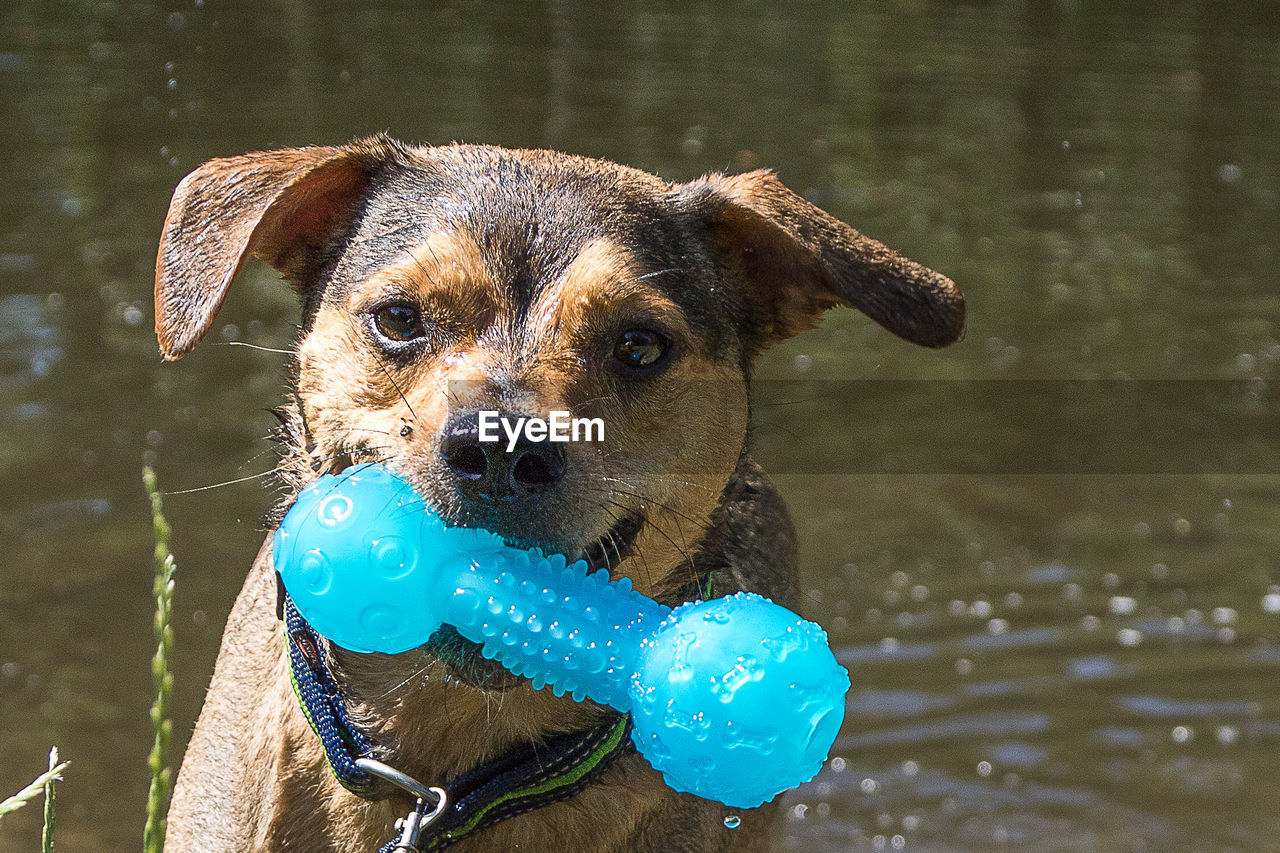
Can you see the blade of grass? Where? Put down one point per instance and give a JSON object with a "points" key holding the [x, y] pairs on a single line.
{"points": [[35, 789], [46, 835], [161, 677]]}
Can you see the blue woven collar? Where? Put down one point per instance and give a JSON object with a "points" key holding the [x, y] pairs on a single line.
{"points": [[524, 779]]}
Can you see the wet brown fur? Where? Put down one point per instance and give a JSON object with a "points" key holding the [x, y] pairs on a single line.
{"points": [[526, 265]]}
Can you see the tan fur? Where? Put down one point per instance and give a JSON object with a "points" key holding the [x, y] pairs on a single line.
{"points": [[447, 275], [276, 205]]}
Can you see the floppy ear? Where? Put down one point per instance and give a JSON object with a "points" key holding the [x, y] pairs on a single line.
{"points": [[281, 206], [797, 261]]}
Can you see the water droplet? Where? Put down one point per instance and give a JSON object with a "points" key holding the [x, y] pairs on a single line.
{"points": [[1129, 637], [732, 821], [1122, 605]]}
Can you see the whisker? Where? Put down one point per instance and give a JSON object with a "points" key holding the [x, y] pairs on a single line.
{"points": [[644, 498], [220, 485], [688, 558], [797, 437], [658, 478], [259, 348], [413, 675], [371, 429], [656, 273], [396, 385], [609, 538], [354, 453], [649, 521], [417, 263], [589, 401], [647, 573], [756, 404], [272, 448]]}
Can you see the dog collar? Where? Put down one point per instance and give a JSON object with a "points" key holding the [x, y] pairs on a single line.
{"points": [[524, 779]]}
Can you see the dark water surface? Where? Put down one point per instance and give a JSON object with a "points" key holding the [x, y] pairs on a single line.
{"points": [[1050, 556]]}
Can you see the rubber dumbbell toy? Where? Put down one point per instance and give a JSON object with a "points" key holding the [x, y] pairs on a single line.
{"points": [[735, 699]]}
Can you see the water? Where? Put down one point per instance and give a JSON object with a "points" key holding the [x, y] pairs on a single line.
{"points": [[1047, 555]]}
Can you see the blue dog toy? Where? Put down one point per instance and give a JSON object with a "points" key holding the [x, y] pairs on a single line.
{"points": [[736, 699]]}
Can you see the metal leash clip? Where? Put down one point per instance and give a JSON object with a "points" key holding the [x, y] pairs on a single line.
{"points": [[411, 826]]}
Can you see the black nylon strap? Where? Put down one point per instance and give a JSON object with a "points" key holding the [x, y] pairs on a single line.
{"points": [[525, 779]]}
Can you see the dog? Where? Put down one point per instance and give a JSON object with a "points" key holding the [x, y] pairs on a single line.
{"points": [[437, 282]]}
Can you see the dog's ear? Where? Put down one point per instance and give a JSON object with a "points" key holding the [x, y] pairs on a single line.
{"points": [[796, 261], [281, 206]]}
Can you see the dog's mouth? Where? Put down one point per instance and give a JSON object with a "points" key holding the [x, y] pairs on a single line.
{"points": [[463, 657], [616, 545]]}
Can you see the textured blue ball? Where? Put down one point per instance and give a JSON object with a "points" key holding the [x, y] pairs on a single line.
{"points": [[737, 699], [351, 554]]}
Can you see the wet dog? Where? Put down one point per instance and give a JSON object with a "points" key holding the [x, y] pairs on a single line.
{"points": [[440, 282]]}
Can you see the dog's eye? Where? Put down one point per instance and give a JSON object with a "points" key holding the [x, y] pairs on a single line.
{"points": [[399, 322], [640, 348]]}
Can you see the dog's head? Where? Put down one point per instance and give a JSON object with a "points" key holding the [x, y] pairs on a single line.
{"points": [[440, 283]]}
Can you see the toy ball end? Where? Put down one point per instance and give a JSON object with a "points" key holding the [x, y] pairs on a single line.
{"points": [[372, 525], [737, 699]]}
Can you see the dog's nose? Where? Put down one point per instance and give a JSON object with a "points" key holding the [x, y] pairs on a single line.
{"points": [[488, 471]]}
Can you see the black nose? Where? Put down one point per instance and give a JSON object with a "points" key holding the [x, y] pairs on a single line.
{"points": [[487, 471]]}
